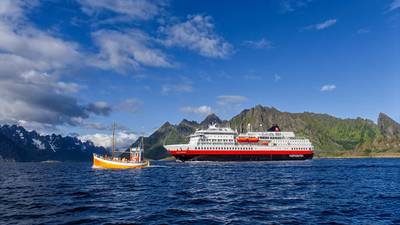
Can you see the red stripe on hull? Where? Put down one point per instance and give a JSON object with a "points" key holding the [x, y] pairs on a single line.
{"points": [[240, 152]]}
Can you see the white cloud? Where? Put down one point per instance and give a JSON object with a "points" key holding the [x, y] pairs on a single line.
{"points": [[322, 26], [65, 87], [231, 99], [394, 5], [124, 51], [99, 107], [30, 46], [197, 34], [201, 110], [33, 97], [13, 10], [328, 87], [29, 58], [258, 44], [176, 88], [122, 139], [125, 9]]}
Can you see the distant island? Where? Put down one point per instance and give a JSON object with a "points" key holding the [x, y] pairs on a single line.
{"points": [[331, 136]]}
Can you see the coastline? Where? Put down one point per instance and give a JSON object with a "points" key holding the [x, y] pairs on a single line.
{"points": [[355, 155]]}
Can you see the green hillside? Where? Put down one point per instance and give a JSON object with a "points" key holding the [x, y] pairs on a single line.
{"points": [[331, 136]]}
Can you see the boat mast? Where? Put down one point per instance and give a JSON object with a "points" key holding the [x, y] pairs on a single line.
{"points": [[113, 141], [141, 150]]}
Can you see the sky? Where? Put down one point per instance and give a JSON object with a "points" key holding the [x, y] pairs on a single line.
{"points": [[75, 67]]}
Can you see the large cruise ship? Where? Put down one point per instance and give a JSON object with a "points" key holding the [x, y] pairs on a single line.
{"points": [[225, 144]]}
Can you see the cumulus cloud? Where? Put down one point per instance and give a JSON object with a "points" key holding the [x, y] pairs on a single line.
{"points": [[201, 110], [29, 46], [231, 99], [328, 87], [122, 10], [322, 25], [13, 10], [124, 51], [29, 58], [99, 108], [123, 139], [68, 87], [27, 98], [197, 34], [258, 44]]}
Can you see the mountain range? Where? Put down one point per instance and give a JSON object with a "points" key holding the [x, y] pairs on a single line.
{"points": [[330, 135], [18, 144]]}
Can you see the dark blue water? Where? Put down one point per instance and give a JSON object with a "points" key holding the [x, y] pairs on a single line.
{"points": [[348, 191]]}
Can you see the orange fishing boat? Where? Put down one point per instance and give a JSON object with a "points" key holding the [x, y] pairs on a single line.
{"points": [[135, 160]]}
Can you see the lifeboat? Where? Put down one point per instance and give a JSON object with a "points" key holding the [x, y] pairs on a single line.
{"points": [[247, 139], [265, 143]]}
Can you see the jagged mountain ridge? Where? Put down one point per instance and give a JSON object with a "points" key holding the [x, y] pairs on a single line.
{"points": [[328, 133], [18, 144], [169, 134]]}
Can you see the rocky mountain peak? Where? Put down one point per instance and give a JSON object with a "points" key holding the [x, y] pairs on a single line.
{"points": [[388, 126], [186, 122], [165, 125], [210, 119], [18, 144]]}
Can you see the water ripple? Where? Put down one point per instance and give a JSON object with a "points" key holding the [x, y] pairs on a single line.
{"points": [[352, 191]]}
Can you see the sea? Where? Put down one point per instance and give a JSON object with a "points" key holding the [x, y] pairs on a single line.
{"points": [[319, 191]]}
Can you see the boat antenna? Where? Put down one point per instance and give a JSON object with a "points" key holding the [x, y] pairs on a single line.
{"points": [[113, 140]]}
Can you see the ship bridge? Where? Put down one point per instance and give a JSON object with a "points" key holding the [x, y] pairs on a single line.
{"points": [[271, 135], [213, 134]]}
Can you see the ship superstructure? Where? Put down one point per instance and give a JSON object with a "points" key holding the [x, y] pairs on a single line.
{"points": [[225, 144]]}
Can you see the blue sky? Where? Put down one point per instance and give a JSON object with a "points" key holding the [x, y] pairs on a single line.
{"points": [[77, 66]]}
